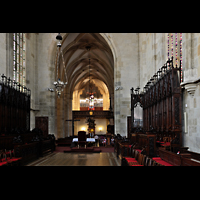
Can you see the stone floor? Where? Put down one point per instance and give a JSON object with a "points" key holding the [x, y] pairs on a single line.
{"points": [[77, 159]]}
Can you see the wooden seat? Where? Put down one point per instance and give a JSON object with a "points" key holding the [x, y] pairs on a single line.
{"points": [[144, 159], [137, 159], [136, 154], [133, 153], [150, 162], [140, 158], [81, 138]]}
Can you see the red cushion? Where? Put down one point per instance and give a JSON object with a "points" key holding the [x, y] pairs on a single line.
{"points": [[160, 142], [132, 161], [159, 160], [15, 159], [2, 163], [138, 150], [156, 158], [166, 144], [130, 158], [12, 159]]}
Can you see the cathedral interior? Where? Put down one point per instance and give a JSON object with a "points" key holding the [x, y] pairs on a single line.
{"points": [[137, 93]]}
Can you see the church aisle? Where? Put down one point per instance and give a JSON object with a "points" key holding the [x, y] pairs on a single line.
{"points": [[78, 159]]}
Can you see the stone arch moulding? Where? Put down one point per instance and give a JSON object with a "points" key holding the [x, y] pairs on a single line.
{"points": [[111, 45], [109, 42]]}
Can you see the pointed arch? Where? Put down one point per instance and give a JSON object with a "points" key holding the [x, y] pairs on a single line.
{"points": [[76, 56]]}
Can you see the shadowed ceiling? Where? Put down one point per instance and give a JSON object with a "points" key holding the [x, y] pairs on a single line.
{"points": [[78, 48]]}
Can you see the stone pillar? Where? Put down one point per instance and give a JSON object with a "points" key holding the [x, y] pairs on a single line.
{"points": [[9, 55], [111, 121], [58, 118], [190, 70], [68, 114], [191, 93], [112, 101]]}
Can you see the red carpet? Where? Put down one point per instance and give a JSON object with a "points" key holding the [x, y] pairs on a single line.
{"points": [[107, 149], [103, 149]]}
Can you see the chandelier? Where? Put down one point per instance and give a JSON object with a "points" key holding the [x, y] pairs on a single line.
{"points": [[59, 85], [91, 96]]}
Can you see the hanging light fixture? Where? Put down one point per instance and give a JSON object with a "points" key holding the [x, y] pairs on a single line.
{"points": [[91, 96], [59, 85], [59, 37]]}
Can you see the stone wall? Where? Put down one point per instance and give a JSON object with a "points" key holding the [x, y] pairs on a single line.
{"points": [[40, 71], [126, 75], [152, 54], [46, 54], [191, 106], [3, 54]]}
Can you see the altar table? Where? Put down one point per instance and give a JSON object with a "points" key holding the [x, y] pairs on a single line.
{"points": [[87, 140]]}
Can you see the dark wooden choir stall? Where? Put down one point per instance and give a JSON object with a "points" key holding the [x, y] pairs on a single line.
{"points": [[19, 145], [155, 132]]}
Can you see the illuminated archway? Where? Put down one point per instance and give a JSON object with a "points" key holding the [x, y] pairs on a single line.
{"points": [[76, 57]]}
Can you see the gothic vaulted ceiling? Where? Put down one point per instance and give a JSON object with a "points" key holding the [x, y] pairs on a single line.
{"points": [[78, 48]]}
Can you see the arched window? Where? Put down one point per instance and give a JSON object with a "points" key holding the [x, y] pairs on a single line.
{"points": [[175, 49], [19, 58]]}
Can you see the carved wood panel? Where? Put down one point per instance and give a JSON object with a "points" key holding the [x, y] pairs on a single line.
{"points": [[42, 123], [14, 106], [129, 125], [161, 102]]}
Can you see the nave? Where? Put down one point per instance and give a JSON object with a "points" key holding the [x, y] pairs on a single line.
{"points": [[77, 159]]}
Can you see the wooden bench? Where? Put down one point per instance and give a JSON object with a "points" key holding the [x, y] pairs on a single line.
{"points": [[137, 159], [189, 162], [7, 158], [64, 141], [27, 152], [46, 146], [194, 155], [166, 158], [182, 159], [122, 149], [160, 162], [170, 157]]}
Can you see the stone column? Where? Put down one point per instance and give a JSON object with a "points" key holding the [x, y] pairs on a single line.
{"points": [[68, 114], [190, 70], [58, 114]]}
